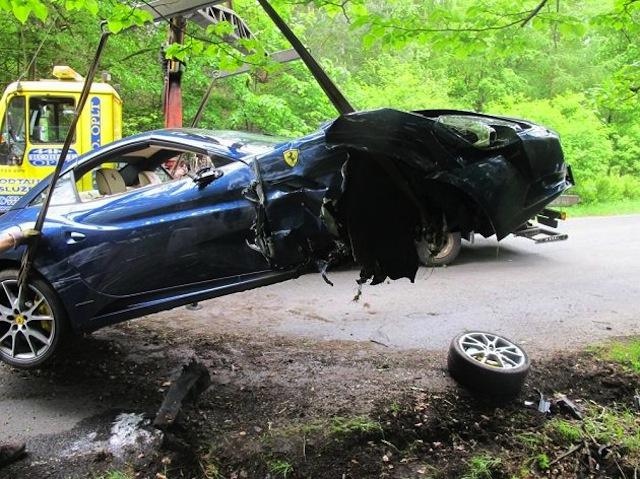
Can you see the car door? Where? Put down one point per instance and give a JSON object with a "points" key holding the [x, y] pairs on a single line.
{"points": [[161, 236]]}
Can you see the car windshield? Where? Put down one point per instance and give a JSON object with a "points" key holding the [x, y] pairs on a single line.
{"points": [[481, 132]]}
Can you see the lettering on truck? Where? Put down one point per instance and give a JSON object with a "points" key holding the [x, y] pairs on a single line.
{"points": [[96, 133], [12, 189], [48, 156]]}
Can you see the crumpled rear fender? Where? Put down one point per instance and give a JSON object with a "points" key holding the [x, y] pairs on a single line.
{"points": [[407, 137], [486, 181]]}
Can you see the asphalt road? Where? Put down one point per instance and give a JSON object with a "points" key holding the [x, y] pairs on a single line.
{"points": [[548, 296]]}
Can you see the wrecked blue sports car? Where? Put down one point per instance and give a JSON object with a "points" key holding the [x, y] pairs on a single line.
{"points": [[260, 210]]}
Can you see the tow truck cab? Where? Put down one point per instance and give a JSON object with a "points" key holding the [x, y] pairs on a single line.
{"points": [[35, 117]]}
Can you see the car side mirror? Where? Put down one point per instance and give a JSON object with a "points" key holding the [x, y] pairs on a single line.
{"points": [[206, 175]]}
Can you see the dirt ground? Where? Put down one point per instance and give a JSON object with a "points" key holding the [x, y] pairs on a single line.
{"points": [[300, 408]]}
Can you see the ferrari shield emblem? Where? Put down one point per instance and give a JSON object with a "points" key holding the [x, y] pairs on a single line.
{"points": [[291, 157]]}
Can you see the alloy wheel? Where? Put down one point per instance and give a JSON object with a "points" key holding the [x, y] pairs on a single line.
{"points": [[492, 350], [26, 333]]}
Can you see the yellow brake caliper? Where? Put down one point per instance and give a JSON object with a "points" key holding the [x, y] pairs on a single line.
{"points": [[43, 310]]}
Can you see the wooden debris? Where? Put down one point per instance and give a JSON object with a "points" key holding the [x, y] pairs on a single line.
{"points": [[194, 379]]}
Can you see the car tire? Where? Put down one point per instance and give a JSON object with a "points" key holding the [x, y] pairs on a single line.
{"points": [[30, 337], [487, 363], [447, 255]]}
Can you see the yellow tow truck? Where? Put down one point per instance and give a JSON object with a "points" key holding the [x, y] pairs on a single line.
{"points": [[35, 118]]}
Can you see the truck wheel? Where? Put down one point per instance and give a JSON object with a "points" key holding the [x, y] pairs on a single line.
{"points": [[445, 256], [29, 336], [488, 363]]}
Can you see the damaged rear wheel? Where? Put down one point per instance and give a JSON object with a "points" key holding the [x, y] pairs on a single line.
{"points": [[488, 363], [447, 254]]}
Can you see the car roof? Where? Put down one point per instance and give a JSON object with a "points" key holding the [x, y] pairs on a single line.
{"points": [[235, 144]]}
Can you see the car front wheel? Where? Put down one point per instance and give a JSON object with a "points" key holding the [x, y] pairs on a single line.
{"points": [[29, 335]]}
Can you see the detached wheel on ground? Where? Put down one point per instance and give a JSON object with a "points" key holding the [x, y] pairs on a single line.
{"points": [[449, 252], [31, 335], [488, 363]]}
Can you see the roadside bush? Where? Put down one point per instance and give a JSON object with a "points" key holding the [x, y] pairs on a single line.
{"points": [[608, 188], [585, 139], [626, 142]]}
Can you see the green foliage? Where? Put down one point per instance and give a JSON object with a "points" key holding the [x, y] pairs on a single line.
{"points": [[605, 425], [565, 431], [623, 207], [115, 475], [341, 426], [585, 139], [543, 462], [123, 16], [608, 189], [572, 67], [484, 467], [627, 353], [615, 427], [280, 468]]}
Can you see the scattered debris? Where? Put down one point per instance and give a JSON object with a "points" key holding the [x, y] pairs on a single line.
{"points": [[565, 404], [130, 440], [559, 404], [358, 294], [573, 450], [322, 269], [193, 307], [544, 406], [194, 379], [131, 436]]}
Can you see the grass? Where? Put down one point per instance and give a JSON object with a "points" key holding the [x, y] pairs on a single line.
{"points": [[565, 431], [608, 208], [543, 462], [626, 353], [341, 426], [279, 467], [530, 439], [614, 427], [611, 426], [115, 475], [483, 467], [336, 426], [395, 408]]}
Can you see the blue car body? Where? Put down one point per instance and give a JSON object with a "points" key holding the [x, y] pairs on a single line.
{"points": [[368, 183]]}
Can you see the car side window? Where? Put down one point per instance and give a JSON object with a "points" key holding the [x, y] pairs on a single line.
{"points": [[106, 179], [123, 173], [193, 162], [64, 192]]}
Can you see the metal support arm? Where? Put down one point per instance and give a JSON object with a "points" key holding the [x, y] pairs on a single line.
{"points": [[30, 252], [331, 90]]}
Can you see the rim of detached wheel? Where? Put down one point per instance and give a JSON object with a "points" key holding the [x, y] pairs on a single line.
{"points": [[492, 350], [26, 333]]}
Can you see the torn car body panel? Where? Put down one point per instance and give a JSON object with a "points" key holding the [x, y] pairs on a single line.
{"points": [[383, 179]]}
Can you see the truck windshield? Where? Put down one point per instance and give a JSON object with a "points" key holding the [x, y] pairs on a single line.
{"points": [[12, 134], [50, 118]]}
